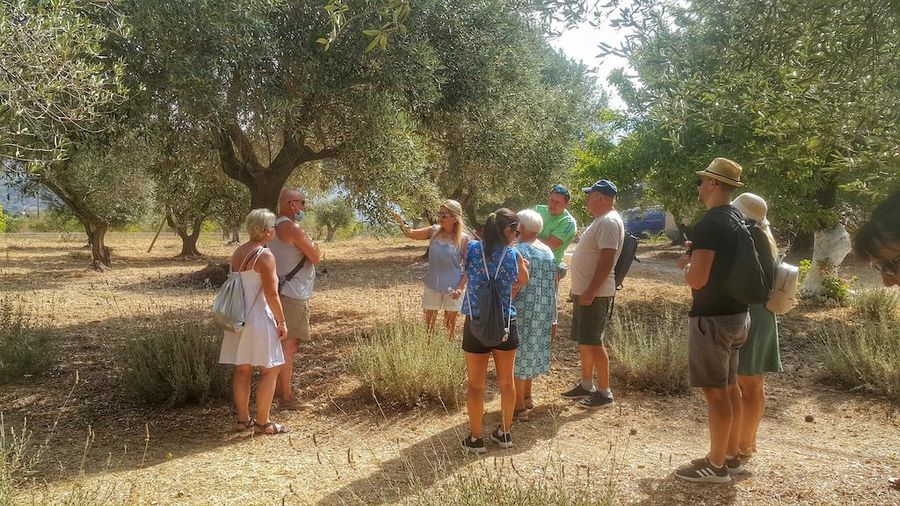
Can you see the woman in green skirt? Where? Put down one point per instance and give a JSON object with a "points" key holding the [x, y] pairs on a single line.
{"points": [[759, 354]]}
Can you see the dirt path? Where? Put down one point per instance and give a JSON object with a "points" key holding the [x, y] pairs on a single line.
{"points": [[346, 448]]}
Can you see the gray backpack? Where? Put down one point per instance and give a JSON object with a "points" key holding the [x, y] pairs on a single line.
{"points": [[488, 327], [228, 309]]}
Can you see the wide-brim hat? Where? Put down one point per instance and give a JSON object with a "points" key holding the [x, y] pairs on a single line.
{"points": [[752, 206], [723, 170]]}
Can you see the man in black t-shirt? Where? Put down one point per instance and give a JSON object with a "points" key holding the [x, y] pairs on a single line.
{"points": [[718, 323]]}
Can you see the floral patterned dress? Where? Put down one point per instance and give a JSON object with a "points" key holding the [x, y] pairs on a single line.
{"points": [[535, 305]]}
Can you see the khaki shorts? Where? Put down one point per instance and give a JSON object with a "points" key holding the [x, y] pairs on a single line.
{"points": [[296, 316], [714, 343], [433, 300]]}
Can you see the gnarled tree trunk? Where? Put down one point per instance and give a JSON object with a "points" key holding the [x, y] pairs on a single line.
{"points": [[95, 226], [240, 162], [188, 237]]}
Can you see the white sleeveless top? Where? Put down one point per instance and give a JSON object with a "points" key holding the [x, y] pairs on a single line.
{"points": [[287, 256]]}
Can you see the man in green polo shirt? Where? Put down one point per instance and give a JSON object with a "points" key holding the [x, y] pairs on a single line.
{"points": [[559, 230]]}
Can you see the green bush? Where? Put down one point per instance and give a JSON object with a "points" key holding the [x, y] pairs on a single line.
{"points": [[2, 220], [651, 350], [24, 348], [876, 304], [403, 363], [865, 356], [836, 288], [803, 269], [174, 363]]}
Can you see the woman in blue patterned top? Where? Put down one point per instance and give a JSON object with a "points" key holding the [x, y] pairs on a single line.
{"points": [[497, 251], [535, 308]]}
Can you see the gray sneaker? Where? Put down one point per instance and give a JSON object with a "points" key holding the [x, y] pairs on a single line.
{"points": [[735, 466], [579, 392], [596, 400], [703, 471]]}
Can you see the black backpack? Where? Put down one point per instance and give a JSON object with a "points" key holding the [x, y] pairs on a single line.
{"points": [[488, 327], [626, 257], [746, 283]]}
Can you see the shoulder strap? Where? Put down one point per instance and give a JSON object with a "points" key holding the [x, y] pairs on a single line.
{"points": [[247, 259], [256, 259]]}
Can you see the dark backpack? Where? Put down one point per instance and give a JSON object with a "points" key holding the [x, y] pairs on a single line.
{"points": [[488, 327], [746, 283], [626, 257]]}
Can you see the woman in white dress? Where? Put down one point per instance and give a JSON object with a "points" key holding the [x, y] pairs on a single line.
{"points": [[259, 343]]}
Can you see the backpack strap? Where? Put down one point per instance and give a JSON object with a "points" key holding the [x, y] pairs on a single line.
{"points": [[247, 259]]}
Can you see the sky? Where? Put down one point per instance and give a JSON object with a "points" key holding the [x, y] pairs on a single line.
{"points": [[581, 44]]}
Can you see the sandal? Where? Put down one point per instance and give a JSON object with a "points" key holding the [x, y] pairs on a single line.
{"points": [[276, 428], [529, 403], [290, 404], [243, 425]]}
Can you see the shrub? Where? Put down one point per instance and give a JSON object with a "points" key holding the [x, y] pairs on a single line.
{"points": [[2, 220], [836, 288], [24, 348], [174, 363], [651, 350], [865, 357], [803, 269], [877, 304], [403, 363]]}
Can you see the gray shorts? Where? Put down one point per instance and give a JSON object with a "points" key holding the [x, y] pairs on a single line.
{"points": [[713, 346]]}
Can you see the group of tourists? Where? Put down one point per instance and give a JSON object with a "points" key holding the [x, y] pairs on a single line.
{"points": [[519, 261]]}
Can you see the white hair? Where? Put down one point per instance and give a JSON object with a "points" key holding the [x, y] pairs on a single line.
{"points": [[258, 221], [531, 220]]}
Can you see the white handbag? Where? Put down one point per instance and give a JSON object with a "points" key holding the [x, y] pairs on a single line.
{"points": [[783, 295]]}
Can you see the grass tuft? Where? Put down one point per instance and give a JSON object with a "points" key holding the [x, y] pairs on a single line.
{"points": [[877, 304], [24, 348], [651, 350], [865, 357], [174, 363], [403, 363]]}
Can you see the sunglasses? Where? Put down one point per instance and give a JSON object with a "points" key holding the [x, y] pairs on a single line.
{"points": [[515, 228], [888, 267], [301, 201], [443, 214]]}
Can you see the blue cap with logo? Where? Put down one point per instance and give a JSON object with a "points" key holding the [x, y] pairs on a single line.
{"points": [[603, 186]]}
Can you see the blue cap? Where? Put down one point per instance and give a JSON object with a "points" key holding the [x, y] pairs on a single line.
{"points": [[603, 186]]}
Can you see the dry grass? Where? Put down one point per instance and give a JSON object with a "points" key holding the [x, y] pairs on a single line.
{"points": [[345, 446]]}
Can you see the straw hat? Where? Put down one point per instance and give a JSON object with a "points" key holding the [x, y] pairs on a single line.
{"points": [[752, 206], [724, 170]]}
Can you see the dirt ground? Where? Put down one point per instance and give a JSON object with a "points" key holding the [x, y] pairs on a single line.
{"points": [[346, 448]]}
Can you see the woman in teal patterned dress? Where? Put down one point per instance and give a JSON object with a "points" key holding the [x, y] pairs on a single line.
{"points": [[535, 303]]}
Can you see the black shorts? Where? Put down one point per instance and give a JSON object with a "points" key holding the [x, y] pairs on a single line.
{"points": [[471, 343]]}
